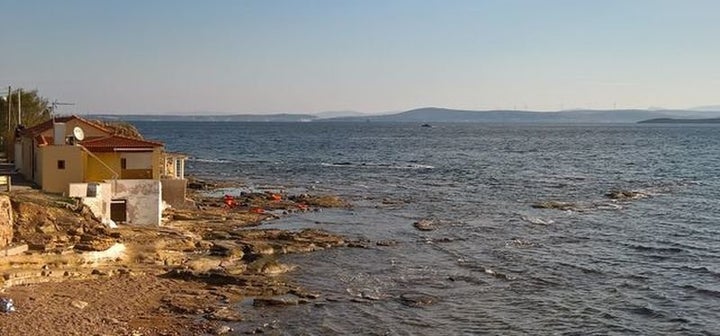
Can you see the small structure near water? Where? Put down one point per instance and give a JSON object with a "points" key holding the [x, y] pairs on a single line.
{"points": [[134, 202], [120, 178]]}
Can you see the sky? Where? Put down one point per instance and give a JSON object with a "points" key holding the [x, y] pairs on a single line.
{"points": [[305, 56]]}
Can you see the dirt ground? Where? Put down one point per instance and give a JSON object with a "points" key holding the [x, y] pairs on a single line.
{"points": [[119, 305], [179, 279]]}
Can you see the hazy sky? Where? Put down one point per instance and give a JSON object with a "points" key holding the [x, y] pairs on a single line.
{"points": [[297, 56]]}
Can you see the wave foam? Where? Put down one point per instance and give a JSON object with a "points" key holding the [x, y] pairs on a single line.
{"points": [[209, 160]]}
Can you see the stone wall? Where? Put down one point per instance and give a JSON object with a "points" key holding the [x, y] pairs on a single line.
{"points": [[6, 221]]}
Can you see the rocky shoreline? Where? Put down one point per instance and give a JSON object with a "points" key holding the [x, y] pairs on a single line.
{"points": [[184, 278]]}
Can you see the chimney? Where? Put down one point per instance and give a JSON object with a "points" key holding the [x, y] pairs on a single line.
{"points": [[58, 134]]}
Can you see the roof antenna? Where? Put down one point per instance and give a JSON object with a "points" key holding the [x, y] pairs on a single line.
{"points": [[54, 106]]}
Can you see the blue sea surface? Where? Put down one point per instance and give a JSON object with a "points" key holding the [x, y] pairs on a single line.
{"points": [[495, 265]]}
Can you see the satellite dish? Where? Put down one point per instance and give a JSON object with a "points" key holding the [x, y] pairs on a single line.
{"points": [[78, 133]]}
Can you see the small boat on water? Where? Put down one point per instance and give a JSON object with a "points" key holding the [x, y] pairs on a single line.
{"points": [[425, 125]]}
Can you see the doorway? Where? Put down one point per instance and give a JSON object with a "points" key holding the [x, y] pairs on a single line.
{"points": [[118, 210]]}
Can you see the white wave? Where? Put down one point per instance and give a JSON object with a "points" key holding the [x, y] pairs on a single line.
{"points": [[537, 220], [609, 206], [209, 160]]}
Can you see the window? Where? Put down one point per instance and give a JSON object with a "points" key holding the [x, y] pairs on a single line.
{"points": [[123, 163], [91, 190], [61, 164]]}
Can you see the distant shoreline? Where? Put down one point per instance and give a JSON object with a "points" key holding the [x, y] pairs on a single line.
{"points": [[441, 115], [680, 121]]}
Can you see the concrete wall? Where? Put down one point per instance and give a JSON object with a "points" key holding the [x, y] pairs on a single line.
{"points": [[6, 221], [56, 180], [37, 166], [144, 200], [18, 156], [26, 166], [173, 192], [100, 204]]}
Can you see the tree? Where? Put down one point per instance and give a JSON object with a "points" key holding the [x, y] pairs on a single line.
{"points": [[34, 110]]}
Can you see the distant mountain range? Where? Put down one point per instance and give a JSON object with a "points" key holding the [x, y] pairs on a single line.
{"points": [[681, 121], [707, 108], [282, 117], [440, 115]]}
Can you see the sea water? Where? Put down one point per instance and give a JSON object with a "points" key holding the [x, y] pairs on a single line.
{"points": [[495, 264]]}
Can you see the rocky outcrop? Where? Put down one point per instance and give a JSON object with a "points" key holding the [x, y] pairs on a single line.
{"points": [[555, 205], [201, 264], [6, 221], [623, 195], [226, 249], [94, 243], [417, 299], [426, 225], [285, 300], [50, 223], [224, 314], [323, 201]]}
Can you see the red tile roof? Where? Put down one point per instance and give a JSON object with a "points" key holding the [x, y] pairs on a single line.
{"points": [[44, 126], [118, 142], [42, 140]]}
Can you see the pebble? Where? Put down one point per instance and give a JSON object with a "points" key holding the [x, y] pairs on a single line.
{"points": [[79, 304], [221, 330], [111, 320]]}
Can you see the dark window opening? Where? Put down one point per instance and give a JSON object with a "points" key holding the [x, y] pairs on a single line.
{"points": [[91, 190], [61, 164], [123, 163]]}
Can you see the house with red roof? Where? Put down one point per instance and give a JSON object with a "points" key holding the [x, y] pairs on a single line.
{"points": [[71, 150]]}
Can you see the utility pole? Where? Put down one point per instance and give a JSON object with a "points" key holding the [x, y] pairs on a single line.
{"points": [[19, 95], [9, 106]]}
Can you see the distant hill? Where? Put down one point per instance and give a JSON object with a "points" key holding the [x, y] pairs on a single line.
{"points": [[283, 117], [680, 121], [338, 114], [434, 114]]}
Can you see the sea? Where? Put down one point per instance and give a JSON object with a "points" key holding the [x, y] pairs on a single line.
{"points": [[494, 265]]}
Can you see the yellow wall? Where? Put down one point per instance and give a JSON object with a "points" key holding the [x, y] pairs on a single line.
{"points": [[55, 180], [97, 172], [157, 163]]}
